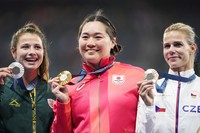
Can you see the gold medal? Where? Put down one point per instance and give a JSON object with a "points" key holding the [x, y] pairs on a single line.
{"points": [[151, 74], [64, 77], [17, 70]]}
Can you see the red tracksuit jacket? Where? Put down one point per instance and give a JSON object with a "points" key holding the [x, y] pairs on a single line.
{"points": [[101, 103]]}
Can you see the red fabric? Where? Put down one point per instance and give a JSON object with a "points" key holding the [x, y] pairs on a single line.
{"points": [[105, 103], [62, 118], [104, 62]]}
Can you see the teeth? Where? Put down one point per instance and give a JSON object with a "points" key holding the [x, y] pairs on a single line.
{"points": [[31, 60], [91, 50]]}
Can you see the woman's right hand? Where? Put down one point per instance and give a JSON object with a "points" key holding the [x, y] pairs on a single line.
{"points": [[145, 91], [4, 73], [61, 92]]}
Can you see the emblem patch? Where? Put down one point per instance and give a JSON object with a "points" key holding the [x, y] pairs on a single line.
{"points": [[14, 103], [118, 79]]}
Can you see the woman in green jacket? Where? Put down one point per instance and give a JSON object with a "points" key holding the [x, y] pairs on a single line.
{"points": [[24, 89]]}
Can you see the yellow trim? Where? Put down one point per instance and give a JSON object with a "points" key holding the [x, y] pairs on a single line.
{"points": [[33, 101]]}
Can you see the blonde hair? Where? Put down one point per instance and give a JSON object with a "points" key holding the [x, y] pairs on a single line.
{"points": [[34, 29], [190, 34], [188, 30]]}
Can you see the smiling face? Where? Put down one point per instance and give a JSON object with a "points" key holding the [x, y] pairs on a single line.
{"points": [[95, 43], [178, 53], [29, 51]]}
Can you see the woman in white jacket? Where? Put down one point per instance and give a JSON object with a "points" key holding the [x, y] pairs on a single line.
{"points": [[174, 106]]}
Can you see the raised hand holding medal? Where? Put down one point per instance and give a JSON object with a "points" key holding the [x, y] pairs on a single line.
{"points": [[145, 87], [58, 85], [64, 77]]}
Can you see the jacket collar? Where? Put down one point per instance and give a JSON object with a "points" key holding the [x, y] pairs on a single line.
{"points": [[187, 73], [103, 63]]}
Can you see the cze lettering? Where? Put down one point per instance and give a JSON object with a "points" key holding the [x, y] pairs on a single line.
{"points": [[191, 108]]}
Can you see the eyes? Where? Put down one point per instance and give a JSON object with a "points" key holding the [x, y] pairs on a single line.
{"points": [[174, 44], [95, 36], [28, 46]]}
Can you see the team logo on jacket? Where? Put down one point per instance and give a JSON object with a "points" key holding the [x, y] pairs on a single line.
{"points": [[14, 103], [118, 79]]}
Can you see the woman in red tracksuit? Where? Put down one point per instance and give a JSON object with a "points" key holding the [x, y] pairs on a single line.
{"points": [[105, 100]]}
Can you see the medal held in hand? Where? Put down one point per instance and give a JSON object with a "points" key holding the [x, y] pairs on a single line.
{"points": [[64, 77], [151, 74], [17, 70]]}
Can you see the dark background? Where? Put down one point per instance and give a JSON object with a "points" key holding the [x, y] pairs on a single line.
{"points": [[140, 26]]}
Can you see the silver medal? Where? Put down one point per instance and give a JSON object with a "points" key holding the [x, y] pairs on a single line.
{"points": [[17, 70]]}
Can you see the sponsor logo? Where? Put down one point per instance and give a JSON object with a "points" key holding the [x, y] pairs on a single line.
{"points": [[80, 87]]}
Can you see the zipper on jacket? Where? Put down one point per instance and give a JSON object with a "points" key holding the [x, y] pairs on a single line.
{"points": [[177, 106], [99, 103]]}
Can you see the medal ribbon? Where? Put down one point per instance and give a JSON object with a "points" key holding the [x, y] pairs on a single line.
{"points": [[33, 101], [83, 73], [161, 89], [30, 87]]}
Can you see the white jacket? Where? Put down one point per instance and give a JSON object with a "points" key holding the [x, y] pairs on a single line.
{"points": [[175, 111]]}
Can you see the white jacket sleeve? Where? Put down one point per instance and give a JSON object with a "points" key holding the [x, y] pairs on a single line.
{"points": [[145, 118]]}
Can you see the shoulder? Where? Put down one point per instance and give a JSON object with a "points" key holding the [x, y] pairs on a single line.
{"points": [[129, 66], [127, 70], [197, 79], [44, 88], [8, 84], [41, 81]]}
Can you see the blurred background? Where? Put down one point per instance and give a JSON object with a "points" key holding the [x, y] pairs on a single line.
{"points": [[140, 26]]}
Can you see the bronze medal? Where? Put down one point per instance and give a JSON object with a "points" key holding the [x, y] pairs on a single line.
{"points": [[151, 74], [64, 77]]}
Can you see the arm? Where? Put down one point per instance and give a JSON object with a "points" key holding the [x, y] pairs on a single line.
{"points": [[146, 109], [145, 118], [62, 121], [4, 73]]}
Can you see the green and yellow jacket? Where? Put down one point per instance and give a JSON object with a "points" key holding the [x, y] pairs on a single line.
{"points": [[16, 114]]}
